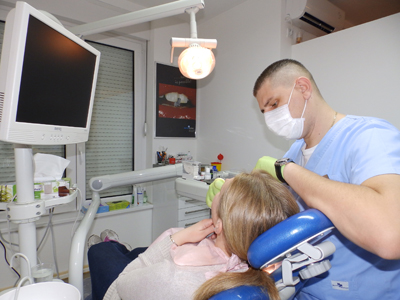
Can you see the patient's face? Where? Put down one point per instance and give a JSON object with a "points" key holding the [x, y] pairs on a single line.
{"points": [[215, 203]]}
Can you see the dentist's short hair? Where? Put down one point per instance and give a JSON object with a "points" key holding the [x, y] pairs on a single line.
{"points": [[283, 73]]}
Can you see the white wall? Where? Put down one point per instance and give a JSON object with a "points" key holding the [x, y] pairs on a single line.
{"points": [[249, 39], [357, 69]]}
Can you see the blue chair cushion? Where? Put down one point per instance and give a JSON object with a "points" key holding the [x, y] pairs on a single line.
{"points": [[285, 235]]}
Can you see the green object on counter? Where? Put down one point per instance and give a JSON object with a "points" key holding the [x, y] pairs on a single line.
{"points": [[118, 205]]}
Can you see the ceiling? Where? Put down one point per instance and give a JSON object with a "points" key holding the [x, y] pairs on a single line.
{"points": [[357, 11], [363, 11]]}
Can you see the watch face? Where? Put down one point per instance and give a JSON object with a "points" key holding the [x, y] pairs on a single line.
{"points": [[283, 161]]}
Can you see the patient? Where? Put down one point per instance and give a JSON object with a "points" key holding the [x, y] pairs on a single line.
{"points": [[184, 264]]}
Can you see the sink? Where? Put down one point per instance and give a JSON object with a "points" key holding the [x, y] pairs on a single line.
{"points": [[193, 189], [45, 291]]}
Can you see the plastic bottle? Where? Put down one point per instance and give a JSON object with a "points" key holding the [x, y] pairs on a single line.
{"points": [[207, 175], [134, 196], [144, 195], [139, 196], [215, 172]]}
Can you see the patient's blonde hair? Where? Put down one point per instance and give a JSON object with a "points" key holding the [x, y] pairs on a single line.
{"points": [[251, 205]]}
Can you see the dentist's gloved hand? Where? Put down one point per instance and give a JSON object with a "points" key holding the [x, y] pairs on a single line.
{"points": [[267, 164], [214, 189]]}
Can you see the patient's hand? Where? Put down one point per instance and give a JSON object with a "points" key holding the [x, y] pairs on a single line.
{"points": [[194, 233]]}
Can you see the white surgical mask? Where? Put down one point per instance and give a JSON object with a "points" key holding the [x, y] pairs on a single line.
{"points": [[280, 121]]}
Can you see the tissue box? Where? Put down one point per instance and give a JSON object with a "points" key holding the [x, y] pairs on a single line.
{"points": [[7, 192], [118, 205]]}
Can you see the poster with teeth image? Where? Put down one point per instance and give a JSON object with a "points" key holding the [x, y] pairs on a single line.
{"points": [[175, 103]]}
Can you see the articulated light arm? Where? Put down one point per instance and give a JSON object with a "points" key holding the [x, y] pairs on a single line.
{"points": [[137, 17], [101, 183]]}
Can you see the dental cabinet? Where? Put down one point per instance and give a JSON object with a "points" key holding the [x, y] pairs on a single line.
{"points": [[191, 201], [191, 211]]}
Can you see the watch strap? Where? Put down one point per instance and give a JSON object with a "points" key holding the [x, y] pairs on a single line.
{"points": [[279, 164], [278, 172]]}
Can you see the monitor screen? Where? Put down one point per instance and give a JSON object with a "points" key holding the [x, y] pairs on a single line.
{"points": [[55, 71], [49, 81]]}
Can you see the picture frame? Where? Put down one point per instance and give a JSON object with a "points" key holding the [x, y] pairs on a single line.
{"points": [[175, 103]]}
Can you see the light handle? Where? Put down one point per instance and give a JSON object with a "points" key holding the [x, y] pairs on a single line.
{"points": [[186, 42]]}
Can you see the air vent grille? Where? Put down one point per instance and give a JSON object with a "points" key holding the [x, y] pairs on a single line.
{"points": [[310, 19]]}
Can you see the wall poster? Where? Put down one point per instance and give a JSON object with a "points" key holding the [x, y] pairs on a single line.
{"points": [[175, 103]]}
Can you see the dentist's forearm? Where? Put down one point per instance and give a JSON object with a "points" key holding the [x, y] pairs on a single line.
{"points": [[366, 214]]}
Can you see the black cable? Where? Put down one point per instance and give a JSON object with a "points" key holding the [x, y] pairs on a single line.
{"points": [[5, 257]]}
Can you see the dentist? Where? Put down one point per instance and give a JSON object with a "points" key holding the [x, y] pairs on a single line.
{"points": [[348, 167]]}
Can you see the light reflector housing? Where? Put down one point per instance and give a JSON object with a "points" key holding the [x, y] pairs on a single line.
{"points": [[196, 62]]}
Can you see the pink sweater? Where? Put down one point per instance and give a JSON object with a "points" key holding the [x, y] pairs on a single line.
{"points": [[165, 271]]}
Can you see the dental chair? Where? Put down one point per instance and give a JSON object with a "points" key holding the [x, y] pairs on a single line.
{"points": [[290, 251]]}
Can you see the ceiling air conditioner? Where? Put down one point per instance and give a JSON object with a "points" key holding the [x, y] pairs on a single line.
{"points": [[318, 17]]}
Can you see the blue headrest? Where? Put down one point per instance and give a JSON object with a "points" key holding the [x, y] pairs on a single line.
{"points": [[285, 235]]}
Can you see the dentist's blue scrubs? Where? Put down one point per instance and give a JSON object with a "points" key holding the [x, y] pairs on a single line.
{"points": [[355, 149]]}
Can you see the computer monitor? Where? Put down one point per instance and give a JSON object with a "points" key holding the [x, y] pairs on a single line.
{"points": [[47, 81]]}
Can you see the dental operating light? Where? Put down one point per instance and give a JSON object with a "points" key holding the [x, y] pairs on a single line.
{"points": [[197, 61]]}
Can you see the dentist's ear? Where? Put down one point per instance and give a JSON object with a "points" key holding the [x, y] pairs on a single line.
{"points": [[305, 86]]}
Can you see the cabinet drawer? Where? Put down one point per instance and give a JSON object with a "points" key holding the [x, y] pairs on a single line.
{"points": [[190, 222], [194, 212], [185, 202]]}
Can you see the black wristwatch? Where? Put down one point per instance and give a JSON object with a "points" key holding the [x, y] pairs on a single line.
{"points": [[278, 167]]}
